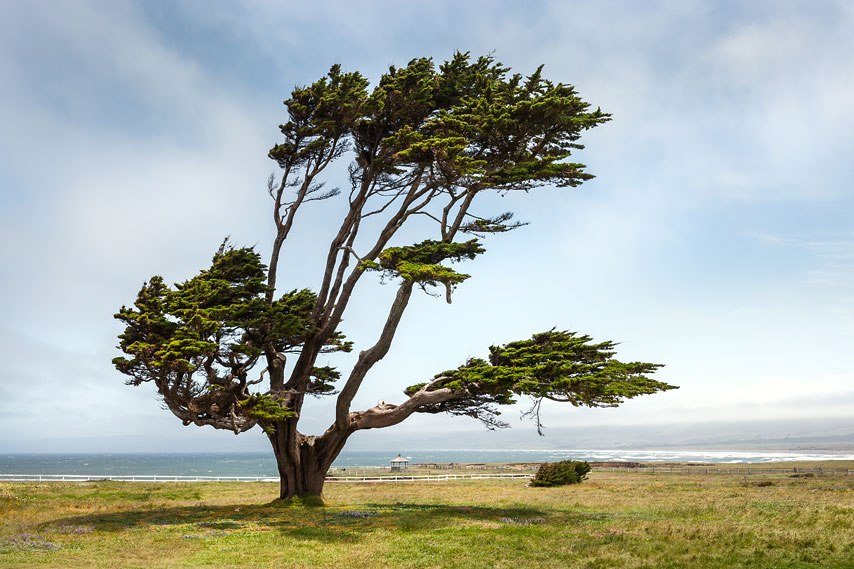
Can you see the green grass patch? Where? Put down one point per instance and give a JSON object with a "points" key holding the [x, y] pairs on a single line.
{"points": [[615, 519]]}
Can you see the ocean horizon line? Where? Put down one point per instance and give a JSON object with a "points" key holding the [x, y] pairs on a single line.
{"points": [[261, 464]]}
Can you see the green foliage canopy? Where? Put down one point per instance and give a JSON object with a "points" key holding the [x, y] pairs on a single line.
{"points": [[197, 341], [556, 365]]}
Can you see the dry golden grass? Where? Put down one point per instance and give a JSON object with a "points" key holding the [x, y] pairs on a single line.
{"points": [[615, 519]]}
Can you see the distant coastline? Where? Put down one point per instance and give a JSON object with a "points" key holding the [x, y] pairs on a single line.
{"points": [[262, 463]]}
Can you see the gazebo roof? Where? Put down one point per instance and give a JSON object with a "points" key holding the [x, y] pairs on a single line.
{"points": [[399, 459]]}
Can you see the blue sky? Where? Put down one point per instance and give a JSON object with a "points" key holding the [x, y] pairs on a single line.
{"points": [[717, 237]]}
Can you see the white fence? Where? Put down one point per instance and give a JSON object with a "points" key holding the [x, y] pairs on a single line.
{"points": [[425, 477], [417, 478], [130, 478], [162, 478]]}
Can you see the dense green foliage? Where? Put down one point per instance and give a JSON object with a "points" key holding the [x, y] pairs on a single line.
{"points": [[561, 473], [555, 365], [421, 263], [198, 340]]}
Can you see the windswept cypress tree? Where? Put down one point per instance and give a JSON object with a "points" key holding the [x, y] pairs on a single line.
{"points": [[227, 349]]}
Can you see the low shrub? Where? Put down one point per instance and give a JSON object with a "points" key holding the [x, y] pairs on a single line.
{"points": [[561, 473]]}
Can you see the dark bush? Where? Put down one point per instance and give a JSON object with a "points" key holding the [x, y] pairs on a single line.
{"points": [[561, 473]]}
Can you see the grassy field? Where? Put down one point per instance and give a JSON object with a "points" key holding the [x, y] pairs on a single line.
{"points": [[615, 519]]}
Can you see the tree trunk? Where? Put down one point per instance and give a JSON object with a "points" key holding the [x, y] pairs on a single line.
{"points": [[302, 461]]}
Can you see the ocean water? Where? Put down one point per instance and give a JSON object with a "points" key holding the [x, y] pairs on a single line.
{"points": [[263, 464]]}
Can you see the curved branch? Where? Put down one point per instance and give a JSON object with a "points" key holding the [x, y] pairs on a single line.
{"points": [[387, 415], [371, 356]]}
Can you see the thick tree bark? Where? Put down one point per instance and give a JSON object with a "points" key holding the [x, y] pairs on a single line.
{"points": [[302, 461]]}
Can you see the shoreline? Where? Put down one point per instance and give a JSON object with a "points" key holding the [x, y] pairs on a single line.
{"points": [[262, 464]]}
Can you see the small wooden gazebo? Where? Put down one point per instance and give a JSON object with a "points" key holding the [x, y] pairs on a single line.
{"points": [[399, 463]]}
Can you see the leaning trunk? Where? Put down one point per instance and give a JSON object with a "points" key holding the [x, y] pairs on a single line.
{"points": [[302, 461]]}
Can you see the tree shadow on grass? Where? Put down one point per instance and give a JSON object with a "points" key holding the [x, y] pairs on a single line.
{"points": [[202, 515], [458, 511], [355, 524], [334, 523]]}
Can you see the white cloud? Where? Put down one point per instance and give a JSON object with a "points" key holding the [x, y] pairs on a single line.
{"points": [[124, 154]]}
